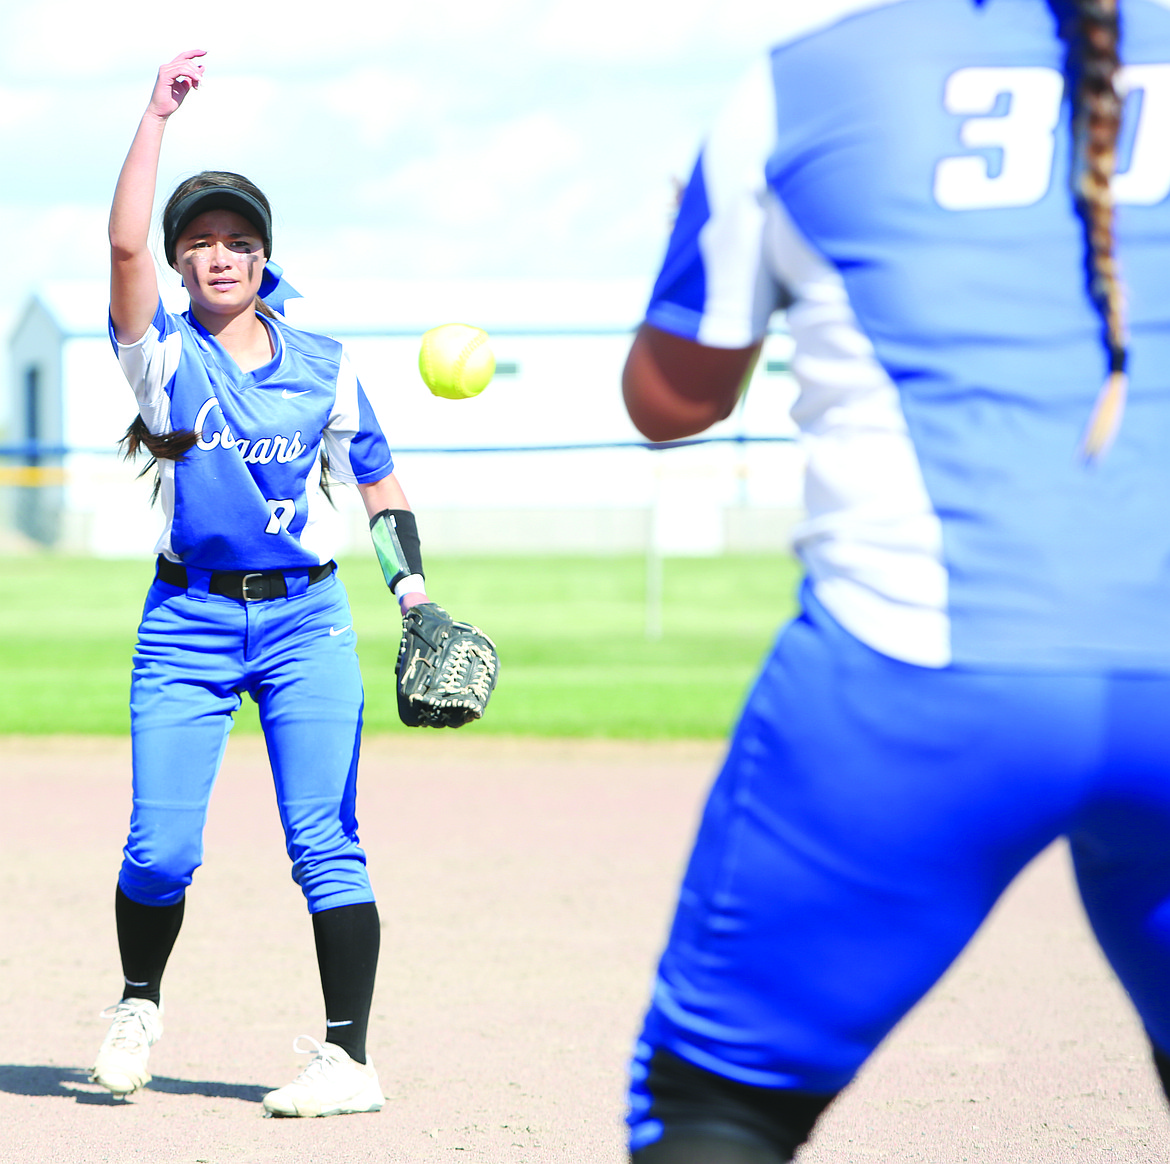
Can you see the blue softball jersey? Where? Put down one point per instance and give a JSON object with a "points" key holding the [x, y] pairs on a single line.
{"points": [[898, 172], [248, 496]]}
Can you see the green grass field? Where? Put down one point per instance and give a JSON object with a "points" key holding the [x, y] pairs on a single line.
{"points": [[575, 660]]}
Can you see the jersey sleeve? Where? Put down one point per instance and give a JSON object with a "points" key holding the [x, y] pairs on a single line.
{"points": [[357, 450], [149, 366], [714, 285]]}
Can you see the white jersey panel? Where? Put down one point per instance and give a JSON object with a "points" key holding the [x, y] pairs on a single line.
{"points": [[741, 295], [872, 542], [148, 366], [166, 501], [316, 536], [344, 423]]}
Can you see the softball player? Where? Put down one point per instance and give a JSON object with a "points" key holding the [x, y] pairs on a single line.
{"points": [[935, 190], [240, 411]]}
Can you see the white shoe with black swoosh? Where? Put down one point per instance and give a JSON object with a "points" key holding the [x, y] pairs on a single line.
{"points": [[331, 1084]]}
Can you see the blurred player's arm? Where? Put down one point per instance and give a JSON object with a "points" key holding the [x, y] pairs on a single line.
{"points": [[133, 286], [395, 536], [675, 387]]}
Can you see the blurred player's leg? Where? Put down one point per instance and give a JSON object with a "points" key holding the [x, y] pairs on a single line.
{"points": [[712, 1120], [1121, 850], [867, 818], [702, 1148]]}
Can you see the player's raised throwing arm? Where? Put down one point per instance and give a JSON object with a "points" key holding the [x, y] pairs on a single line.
{"points": [[133, 286]]}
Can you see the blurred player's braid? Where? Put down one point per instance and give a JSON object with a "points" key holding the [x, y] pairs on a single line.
{"points": [[1092, 32]]}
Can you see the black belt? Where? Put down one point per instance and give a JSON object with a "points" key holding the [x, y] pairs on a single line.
{"points": [[238, 584]]}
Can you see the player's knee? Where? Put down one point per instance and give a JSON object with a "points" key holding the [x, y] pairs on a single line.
{"points": [[683, 1114], [155, 884], [161, 855], [329, 883]]}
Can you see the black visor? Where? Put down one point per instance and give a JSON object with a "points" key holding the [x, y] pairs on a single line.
{"points": [[215, 198]]}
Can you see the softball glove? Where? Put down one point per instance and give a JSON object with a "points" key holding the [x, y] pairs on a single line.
{"points": [[446, 669]]}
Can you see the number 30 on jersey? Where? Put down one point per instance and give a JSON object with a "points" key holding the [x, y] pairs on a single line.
{"points": [[1023, 136]]}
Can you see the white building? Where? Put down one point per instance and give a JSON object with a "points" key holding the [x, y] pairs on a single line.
{"points": [[559, 348]]}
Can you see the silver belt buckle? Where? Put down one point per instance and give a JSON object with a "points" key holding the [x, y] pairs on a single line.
{"points": [[244, 588]]}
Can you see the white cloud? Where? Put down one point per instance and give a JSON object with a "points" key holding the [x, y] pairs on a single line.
{"points": [[375, 100], [54, 242], [223, 124], [79, 40], [22, 109], [618, 30], [480, 179]]}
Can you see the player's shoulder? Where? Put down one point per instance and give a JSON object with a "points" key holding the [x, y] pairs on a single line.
{"points": [[162, 326], [310, 344], [797, 20], [813, 49]]}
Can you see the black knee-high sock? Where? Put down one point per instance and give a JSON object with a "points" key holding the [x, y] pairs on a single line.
{"points": [[701, 1149], [146, 936], [708, 1119], [347, 955]]}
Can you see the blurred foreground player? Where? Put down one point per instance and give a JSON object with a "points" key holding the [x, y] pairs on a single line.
{"points": [[982, 660]]}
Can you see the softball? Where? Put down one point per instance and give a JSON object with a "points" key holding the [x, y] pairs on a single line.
{"points": [[456, 360]]}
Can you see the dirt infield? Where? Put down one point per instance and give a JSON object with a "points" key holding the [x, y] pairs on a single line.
{"points": [[524, 890]]}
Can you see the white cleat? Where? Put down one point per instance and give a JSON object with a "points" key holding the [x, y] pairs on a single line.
{"points": [[121, 1062], [331, 1084]]}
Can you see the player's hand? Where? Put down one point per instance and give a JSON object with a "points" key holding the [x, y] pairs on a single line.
{"points": [[412, 598], [175, 80]]}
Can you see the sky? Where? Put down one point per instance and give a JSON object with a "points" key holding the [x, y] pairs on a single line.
{"points": [[433, 139]]}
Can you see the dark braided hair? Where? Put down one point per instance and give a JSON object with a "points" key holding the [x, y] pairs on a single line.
{"points": [[166, 446], [1092, 30]]}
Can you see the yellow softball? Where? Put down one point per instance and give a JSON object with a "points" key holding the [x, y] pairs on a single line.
{"points": [[456, 360]]}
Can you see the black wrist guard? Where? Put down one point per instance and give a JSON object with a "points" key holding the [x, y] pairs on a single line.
{"points": [[395, 535]]}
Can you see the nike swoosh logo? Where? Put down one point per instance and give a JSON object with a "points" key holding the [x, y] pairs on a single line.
{"points": [[290, 395], [333, 632]]}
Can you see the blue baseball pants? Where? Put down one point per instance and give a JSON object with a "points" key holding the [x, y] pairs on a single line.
{"points": [[197, 654]]}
